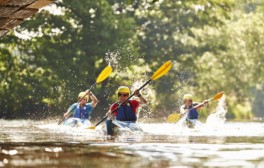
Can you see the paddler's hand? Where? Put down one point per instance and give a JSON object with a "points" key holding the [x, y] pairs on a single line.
{"points": [[110, 115], [65, 114], [183, 112], [88, 92], [205, 103], [141, 98], [137, 93]]}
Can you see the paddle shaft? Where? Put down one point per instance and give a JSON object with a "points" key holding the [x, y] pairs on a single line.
{"points": [[216, 97], [123, 103], [69, 112], [174, 117], [201, 104], [160, 72]]}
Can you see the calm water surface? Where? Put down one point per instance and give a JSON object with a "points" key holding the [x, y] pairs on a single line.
{"points": [[26, 143]]}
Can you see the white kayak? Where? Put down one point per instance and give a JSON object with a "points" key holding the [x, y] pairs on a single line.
{"points": [[77, 122], [190, 123], [126, 131], [127, 126], [193, 123]]}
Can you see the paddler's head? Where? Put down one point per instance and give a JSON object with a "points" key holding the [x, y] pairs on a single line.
{"points": [[187, 98], [84, 96], [123, 92]]}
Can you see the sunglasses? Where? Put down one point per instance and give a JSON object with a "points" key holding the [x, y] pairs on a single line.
{"points": [[124, 95]]}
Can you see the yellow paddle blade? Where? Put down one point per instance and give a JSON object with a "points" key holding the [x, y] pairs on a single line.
{"points": [[162, 70], [173, 117], [91, 127], [104, 74], [218, 95]]}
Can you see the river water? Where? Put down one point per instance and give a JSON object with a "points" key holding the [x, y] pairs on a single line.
{"points": [[27, 143]]}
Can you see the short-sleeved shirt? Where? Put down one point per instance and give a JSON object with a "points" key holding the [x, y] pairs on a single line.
{"points": [[192, 113], [82, 112]]}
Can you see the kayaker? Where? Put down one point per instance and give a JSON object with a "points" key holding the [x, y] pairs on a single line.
{"points": [[127, 112], [190, 108], [83, 110]]}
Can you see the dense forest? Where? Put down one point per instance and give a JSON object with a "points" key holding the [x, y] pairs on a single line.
{"points": [[215, 45]]}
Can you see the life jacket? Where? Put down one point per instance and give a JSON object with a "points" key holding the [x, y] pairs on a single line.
{"points": [[82, 112], [192, 113], [126, 112]]}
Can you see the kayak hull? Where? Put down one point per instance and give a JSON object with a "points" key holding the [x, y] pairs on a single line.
{"points": [[128, 126], [121, 128], [190, 123], [77, 122]]}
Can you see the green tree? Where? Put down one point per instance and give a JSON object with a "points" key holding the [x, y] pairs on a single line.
{"points": [[235, 65], [166, 31], [62, 56]]}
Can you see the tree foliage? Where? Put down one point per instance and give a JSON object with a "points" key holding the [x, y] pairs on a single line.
{"points": [[214, 46]]}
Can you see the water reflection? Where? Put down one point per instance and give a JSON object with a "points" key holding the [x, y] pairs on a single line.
{"points": [[43, 144]]}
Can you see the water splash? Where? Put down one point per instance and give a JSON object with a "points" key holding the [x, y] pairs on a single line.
{"points": [[149, 95], [113, 58], [176, 65], [126, 64], [120, 56], [217, 118]]}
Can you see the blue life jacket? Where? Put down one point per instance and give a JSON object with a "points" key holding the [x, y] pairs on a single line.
{"points": [[82, 112], [125, 113], [192, 113]]}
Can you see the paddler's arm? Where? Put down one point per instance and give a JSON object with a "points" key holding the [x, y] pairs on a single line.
{"points": [[141, 98], [183, 111], [201, 105], [68, 112], [93, 97], [109, 114]]}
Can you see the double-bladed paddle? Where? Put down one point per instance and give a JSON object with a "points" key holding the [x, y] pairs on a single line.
{"points": [[176, 116], [159, 73]]}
